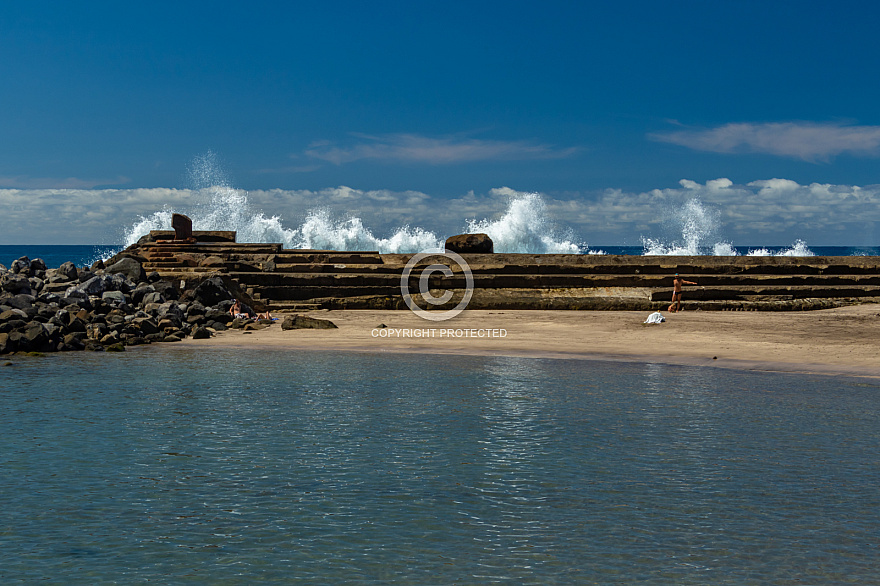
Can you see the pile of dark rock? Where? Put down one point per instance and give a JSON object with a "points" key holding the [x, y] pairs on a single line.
{"points": [[104, 308]]}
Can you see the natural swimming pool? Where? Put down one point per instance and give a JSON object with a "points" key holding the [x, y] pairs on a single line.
{"points": [[228, 466]]}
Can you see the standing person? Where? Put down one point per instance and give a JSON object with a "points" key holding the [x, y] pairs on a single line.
{"points": [[676, 293]]}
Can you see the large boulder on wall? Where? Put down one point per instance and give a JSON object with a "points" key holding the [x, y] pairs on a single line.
{"points": [[183, 226], [470, 243]]}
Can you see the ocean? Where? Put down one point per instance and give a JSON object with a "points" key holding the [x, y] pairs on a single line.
{"points": [[85, 255], [175, 465]]}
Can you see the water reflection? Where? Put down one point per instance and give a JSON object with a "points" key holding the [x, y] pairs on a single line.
{"points": [[343, 468]]}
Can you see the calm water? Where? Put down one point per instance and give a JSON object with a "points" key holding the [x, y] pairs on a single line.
{"points": [[238, 467]]}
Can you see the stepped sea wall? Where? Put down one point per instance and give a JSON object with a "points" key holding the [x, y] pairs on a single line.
{"points": [[280, 279]]}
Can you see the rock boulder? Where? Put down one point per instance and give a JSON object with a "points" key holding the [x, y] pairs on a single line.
{"points": [[211, 292], [128, 267], [183, 226], [15, 283], [69, 271], [299, 322], [470, 243]]}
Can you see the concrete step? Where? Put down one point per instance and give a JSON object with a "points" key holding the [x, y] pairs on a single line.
{"points": [[287, 257], [668, 265], [769, 293], [212, 248], [323, 268], [756, 294], [805, 304], [303, 293], [176, 272], [165, 263], [385, 277], [292, 306]]}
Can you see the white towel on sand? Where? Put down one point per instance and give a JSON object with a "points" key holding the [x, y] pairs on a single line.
{"points": [[655, 318]]}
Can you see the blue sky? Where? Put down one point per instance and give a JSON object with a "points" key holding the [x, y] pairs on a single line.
{"points": [[573, 100]]}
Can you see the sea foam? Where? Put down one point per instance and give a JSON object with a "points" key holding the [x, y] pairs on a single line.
{"points": [[799, 248], [525, 225], [215, 205], [698, 226]]}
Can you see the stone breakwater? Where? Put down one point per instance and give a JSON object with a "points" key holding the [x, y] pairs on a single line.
{"points": [[279, 279], [107, 308]]}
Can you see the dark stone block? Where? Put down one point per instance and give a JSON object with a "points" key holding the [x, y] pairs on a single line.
{"points": [[201, 334], [298, 322], [129, 267], [15, 283], [470, 243], [68, 271], [147, 326], [21, 301], [212, 291], [166, 289], [35, 336], [93, 346], [22, 265], [183, 227], [11, 314]]}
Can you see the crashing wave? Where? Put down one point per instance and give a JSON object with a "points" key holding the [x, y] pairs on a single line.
{"points": [[699, 226], [524, 227], [215, 205], [799, 248]]}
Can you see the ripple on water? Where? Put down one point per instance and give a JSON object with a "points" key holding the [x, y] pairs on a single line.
{"points": [[225, 467]]}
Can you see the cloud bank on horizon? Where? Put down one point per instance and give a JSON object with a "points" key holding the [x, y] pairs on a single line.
{"points": [[763, 212]]}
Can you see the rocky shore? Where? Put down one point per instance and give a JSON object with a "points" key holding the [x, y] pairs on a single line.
{"points": [[106, 308]]}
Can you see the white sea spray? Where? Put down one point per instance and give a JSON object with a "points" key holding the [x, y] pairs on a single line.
{"points": [[525, 227], [698, 225], [799, 248], [215, 205]]}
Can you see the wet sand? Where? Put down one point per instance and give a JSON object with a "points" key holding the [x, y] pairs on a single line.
{"points": [[842, 341]]}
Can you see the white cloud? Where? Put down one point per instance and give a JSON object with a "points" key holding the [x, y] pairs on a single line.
{"points": [[771, 211], [77, 216], [809, 141], [443, 150]]}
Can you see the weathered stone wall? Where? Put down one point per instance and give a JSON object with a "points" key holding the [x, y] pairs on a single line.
{"points": [[299, 279]]}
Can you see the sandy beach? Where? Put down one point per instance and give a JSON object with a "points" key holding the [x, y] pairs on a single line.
{"points": [[835, 341]]}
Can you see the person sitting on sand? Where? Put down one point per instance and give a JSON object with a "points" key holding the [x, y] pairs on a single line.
{"points": [[676, 293], [237, 312]]}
